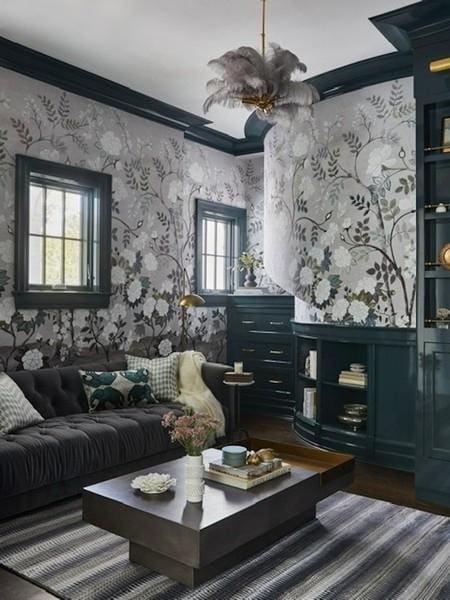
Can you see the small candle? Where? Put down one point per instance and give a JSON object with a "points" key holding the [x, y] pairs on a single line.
{"points": [[238, 367]]}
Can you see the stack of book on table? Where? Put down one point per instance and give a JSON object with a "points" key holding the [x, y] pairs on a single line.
{"points": [[234, 377], [248, 476], [353, 378]]}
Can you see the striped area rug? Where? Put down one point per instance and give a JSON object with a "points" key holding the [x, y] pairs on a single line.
{"points": [[357, 549]]}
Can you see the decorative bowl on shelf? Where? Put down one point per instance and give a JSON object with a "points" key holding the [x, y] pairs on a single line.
{"points": [[354, 422], [358, 368], [355, 416], [355, 410], [444, 256], [153, 483]]}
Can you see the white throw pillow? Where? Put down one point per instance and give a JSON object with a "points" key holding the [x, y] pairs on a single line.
{"points": [[163, 374], [15, 410]]}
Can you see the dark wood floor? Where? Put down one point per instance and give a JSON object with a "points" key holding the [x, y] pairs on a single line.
{"points": [[376, 482]]}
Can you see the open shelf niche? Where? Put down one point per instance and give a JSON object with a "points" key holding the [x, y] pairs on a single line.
{"points": [[387, 437]]}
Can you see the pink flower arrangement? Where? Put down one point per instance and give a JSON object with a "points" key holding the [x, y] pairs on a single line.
{"points": [[192, 430]]}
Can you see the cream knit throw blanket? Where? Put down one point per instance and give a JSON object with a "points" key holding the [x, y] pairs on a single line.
{"points": [[193, 390]]}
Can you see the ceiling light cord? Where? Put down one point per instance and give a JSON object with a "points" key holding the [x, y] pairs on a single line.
{"points": [[263, 29]]}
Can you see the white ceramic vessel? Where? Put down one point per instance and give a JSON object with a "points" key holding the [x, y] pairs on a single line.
{"points": [[195, 486]]}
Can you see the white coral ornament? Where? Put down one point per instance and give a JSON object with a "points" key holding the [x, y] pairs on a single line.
{"points": [[153, 483]]}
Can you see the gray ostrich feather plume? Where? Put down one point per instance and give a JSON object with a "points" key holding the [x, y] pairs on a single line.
{"points": [[245, 73]]}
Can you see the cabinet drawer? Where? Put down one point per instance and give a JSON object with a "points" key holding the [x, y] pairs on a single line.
{"points": [[276, 381], [242, 322], [268, 352]]}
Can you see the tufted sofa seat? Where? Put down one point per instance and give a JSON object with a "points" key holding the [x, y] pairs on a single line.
{"points": [[73, 448]]}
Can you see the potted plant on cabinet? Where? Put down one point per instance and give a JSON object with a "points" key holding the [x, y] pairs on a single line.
{"points": [[249, 261]]}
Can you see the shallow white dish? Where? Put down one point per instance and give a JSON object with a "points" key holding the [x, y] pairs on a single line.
{"points": [[153, 483]]}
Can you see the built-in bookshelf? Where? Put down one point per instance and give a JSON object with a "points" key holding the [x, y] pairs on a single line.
{"points": [[433, 276], [387, 435]]}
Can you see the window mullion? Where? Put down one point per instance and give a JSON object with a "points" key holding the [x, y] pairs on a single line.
{"points": [[228, 273], [205, 247], [215, 254], [63, 241], [89, 218], [44, 240]]}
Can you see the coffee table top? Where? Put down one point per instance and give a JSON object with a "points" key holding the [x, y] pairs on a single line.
{"points": [[220, 501]]}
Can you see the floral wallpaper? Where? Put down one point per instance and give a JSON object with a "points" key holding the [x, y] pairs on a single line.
{"points": [[156, 177], [340, 209], [252, 173]]}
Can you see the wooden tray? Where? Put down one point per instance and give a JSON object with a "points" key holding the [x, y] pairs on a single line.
{"points": [[336, 469]]}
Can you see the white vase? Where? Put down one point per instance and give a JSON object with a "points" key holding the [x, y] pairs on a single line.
{"points": [[195, 486]]}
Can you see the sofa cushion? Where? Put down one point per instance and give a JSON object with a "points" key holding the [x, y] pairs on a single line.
{"points": [[64, 448], [58, 392], [117, 389], [163, 374], [15, 410]]}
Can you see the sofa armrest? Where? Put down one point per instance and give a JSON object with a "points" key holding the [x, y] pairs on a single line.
{"points": [[212, 374]]}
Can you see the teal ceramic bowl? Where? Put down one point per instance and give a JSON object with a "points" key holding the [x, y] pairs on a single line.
{"points": [[234, 456]]}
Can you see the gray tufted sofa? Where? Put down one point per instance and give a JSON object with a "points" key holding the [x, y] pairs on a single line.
{"points": [[73, 448]]}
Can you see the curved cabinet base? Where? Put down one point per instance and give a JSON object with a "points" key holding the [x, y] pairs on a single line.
{"points": [[389, 356]]}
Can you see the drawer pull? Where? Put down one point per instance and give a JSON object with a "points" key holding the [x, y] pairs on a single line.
{"points": [[275, 381], [248, 322], [277, 322], [277, 352], [282, 392], [247, 349]]}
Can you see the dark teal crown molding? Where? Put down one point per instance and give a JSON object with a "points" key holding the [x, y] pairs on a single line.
{"points": [[31, 63], [39, 66], [226, 143], [412, 25], [371, 71], [55, 72], [349, 78]]}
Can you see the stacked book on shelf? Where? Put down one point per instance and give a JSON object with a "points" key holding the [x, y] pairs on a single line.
{"points": [[248, 476], [353, 378]]}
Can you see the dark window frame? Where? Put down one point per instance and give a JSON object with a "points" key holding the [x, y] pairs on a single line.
{"points": [[69, 177], [237, 218]]}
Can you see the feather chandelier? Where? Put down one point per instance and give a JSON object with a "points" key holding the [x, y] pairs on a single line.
{"points": [[265, 81]]}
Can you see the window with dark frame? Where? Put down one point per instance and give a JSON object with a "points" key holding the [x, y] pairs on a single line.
{"points": [[63, 236], [221, 237]]}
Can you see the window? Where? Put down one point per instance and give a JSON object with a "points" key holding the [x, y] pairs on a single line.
{"points": [[221, 237], [63, 236]]}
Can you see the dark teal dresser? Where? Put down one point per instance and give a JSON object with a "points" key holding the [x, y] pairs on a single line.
{"points": [[260, 334]]}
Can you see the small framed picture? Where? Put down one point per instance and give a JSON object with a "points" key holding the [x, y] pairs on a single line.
{"points": [[445, 141]]}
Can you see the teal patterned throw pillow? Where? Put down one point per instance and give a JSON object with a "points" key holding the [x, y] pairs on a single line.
{"points": [[117, 389]]}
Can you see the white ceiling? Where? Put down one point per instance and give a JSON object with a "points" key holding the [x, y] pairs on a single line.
{"points": [[161, 47]]}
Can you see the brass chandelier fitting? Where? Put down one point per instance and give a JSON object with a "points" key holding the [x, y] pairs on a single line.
{"points": [[262, 81]]}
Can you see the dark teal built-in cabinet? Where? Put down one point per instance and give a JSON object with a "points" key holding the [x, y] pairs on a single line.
{"points": [[424, 30], [259, 334], [389, 354]]}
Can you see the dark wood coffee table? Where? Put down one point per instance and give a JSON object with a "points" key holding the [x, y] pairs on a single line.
{"points": [[193, 542]]}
